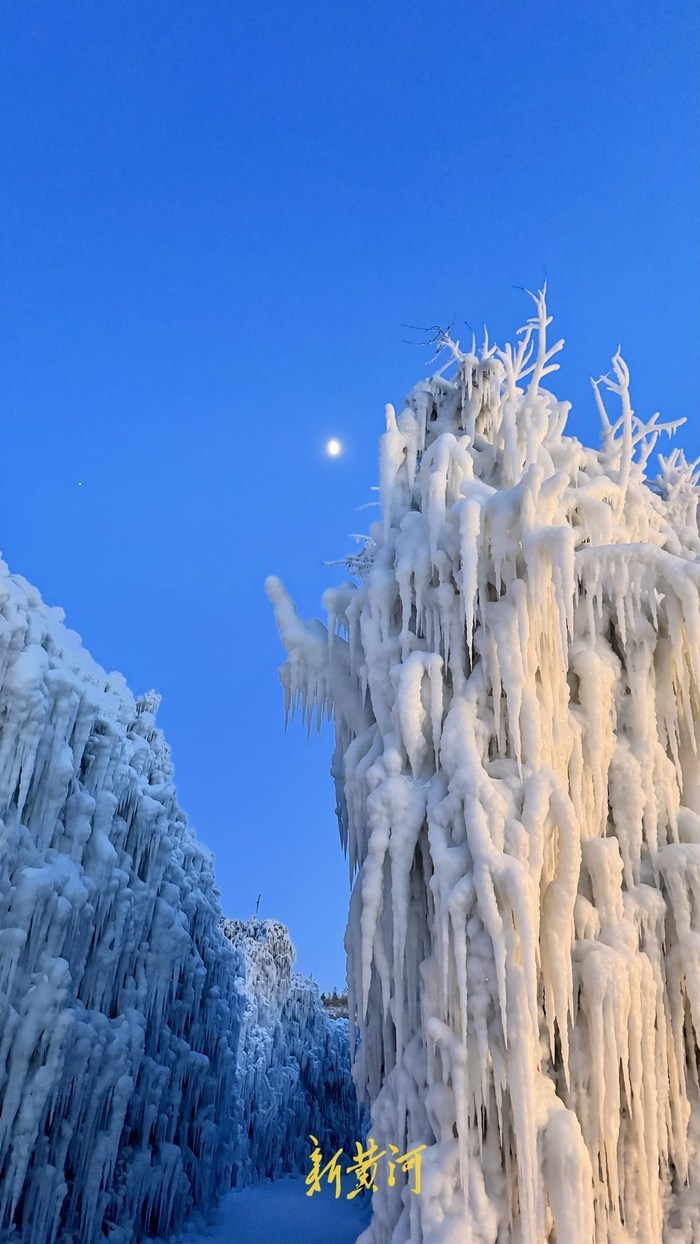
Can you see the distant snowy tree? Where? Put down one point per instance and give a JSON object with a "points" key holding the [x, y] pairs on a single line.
{"points": [[293, 1062], [335, 1004], [515, 683]]}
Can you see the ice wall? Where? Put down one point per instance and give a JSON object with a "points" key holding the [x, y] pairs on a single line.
{"points": [[294, 1076], [515, 681], [118, 1002]]}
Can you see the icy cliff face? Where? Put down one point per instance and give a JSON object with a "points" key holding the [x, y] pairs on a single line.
{"points": [[118, 1006], [516, 688], [294, 1076]]}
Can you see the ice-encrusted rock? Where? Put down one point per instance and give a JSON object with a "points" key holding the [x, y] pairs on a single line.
{"points": [[294, 1076], [515, 683], [118, 1003]]}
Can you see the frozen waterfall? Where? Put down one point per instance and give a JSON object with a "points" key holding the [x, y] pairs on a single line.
{"points": [[515, 684], [118, 999]]}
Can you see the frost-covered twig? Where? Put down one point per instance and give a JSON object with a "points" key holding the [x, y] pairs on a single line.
{"points": [[358, 563], [620, 439], [539, 323]]}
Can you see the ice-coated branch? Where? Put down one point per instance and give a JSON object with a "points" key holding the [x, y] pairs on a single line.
{"points": [[678, 475], [305, 677], [621, 439], [538, 324]]}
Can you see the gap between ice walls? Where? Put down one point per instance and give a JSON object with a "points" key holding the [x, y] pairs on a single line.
{"points": [[514, 676], [146, 1062], [294, 1079]]}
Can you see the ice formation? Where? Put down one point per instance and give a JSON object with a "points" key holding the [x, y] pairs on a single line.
{"points": [[294, 1076], [118, 997], [515, 683]]}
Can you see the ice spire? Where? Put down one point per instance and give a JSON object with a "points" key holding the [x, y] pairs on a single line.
{"points": [[515, 683]]}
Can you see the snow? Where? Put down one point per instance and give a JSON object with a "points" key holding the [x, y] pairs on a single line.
{"points": [[282, 1211], [515, 685], [118, 998]]}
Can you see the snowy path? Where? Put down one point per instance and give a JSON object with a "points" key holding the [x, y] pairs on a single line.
{"points": [[281, 1213]]}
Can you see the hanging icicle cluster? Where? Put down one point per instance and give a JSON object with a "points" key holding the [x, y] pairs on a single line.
{"points": [[515, 683]]}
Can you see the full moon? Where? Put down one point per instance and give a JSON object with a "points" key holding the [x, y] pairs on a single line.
{"points": [[333, 447]]}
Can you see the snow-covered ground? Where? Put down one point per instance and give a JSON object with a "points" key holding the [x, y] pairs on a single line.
{"points": [[282, 1213]]}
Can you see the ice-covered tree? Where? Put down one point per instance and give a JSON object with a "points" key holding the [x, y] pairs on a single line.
{"points": [[118, 999], [515, 684]]}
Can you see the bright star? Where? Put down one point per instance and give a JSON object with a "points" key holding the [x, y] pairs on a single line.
{"points": [[334, 447]]}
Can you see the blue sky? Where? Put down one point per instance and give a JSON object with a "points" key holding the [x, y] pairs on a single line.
{"points": [[215, 221]]}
